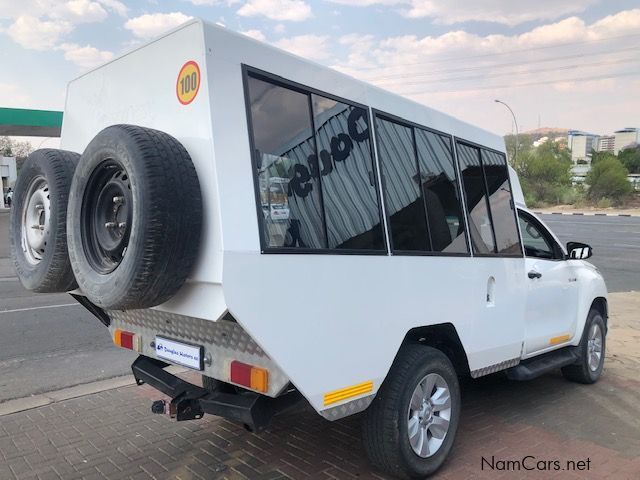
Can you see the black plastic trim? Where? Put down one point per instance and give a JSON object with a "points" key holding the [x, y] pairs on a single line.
{"points": [[95, 310]]}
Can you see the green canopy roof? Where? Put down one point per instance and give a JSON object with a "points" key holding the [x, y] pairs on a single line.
{"points": [[30, 123]]}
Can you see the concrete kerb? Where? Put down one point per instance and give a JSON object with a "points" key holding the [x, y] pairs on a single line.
{"points": [[34, 401]]}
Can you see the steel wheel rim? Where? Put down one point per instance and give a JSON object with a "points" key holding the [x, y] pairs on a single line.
{"points": [[594, 347], [106, 216], [429, 415], [36, 217]]}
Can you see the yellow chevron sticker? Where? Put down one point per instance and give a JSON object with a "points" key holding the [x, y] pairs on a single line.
{"points": [[348, 392]]}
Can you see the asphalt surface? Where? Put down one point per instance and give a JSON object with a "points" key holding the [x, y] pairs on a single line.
{"points": [[61, 345], [45, 349], [615, 242]]}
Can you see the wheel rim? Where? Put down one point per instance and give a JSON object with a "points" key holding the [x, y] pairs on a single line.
{"points": [[106, 216], [594, 347], [429, 415], [36, 215]]}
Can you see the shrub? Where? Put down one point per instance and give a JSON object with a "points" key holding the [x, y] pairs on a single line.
{"points": [[630, 158], [608, 179]]}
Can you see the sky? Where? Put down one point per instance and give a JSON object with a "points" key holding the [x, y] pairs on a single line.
{"points": [[557, 63]]}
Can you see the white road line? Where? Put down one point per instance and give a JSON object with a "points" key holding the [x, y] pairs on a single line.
{"points": [[625, 245], [40, 308]]}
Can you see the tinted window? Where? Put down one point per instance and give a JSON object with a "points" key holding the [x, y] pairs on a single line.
{"points": [[403, 199], [439, 189], [536, 243], [480, 228], [347, 175], [501, 203], [284, 144]]}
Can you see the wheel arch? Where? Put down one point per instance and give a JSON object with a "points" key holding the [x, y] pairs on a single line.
{"points": [[601, 304], [443, 337]]}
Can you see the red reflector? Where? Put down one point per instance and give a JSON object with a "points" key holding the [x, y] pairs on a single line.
{"points": [[126, 340], [241, 373]]}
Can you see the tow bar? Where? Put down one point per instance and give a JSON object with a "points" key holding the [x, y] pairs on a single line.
{"points": [[191, 402]]}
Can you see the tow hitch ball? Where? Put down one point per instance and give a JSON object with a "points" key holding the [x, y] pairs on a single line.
{"points": [[159, 406]]}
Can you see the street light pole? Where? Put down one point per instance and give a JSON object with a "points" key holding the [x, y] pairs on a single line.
{"points": [[515, 154]]}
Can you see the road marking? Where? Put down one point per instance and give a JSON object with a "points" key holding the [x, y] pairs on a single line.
{"points": [[40, 308], [625, 245]]}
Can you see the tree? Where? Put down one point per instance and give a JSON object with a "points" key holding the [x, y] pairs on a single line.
{"points": [[597, 156], [630, 158], [608, 179], [545, 173], [11, 148]]}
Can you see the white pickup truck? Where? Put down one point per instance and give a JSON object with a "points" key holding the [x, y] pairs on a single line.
{"points": [[400, 256]]}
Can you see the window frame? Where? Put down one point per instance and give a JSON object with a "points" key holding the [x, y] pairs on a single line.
{"points": [[558, 252], [480, 147], [256, 73], [376, 113]]}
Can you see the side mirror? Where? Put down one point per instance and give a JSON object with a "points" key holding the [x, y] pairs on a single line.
{"points": [[579, 251]]}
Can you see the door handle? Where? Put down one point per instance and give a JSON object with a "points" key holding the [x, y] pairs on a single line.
{"points": [[534, 274]]}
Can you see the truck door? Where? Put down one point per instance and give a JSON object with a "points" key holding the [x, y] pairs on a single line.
{"points": [[552, 292]]}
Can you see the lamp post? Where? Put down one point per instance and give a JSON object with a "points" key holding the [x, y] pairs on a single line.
{"points": [[515, 122]]}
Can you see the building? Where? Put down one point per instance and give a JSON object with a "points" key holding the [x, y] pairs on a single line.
{"points": [[581, 144], [8, 176], [626, 137], [606, 143]]}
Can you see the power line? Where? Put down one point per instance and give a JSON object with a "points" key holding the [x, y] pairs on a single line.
{"points": [[509, 52], [528, 84], [513, 74], [501, 65]]}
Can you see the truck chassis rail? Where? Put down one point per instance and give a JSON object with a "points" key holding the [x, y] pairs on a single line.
{"points": [[190, 402]]}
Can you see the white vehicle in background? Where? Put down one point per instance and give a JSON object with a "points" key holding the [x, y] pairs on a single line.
{"points": [[402, 258]]}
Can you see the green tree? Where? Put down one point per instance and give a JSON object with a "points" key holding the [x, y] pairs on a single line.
{"points": [[630, 158], [608, 179], [545, 173], [11, 148], [597, 156]]}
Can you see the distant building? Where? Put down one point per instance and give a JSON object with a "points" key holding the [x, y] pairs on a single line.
{"points": [[625, 137], [7, 176], [581, 144], [606, 143]]}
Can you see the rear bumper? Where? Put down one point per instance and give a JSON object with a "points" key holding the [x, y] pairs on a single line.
{"points": [[189, 402]]}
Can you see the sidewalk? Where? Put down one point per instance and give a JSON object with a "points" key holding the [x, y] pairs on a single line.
{"points": [[113, 435], [570, 210]]}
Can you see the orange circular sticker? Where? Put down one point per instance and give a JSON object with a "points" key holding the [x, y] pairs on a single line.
{"points": [[188, 82]]}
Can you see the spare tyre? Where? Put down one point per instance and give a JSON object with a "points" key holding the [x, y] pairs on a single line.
{"points": [[134, 220], [38, 221]]}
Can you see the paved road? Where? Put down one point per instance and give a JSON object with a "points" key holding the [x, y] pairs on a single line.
{"points": [[45, 349], [615, 242], [42, 349]]}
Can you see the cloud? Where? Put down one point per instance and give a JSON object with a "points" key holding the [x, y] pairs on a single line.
{"points": [[257, 34], [14, 96], [280, 10], [154, 24], [79, 11], [313, 47], [494, 11], [35, 34], [87, 56], [116, 6]]}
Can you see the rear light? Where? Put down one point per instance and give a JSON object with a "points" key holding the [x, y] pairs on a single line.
{"points": [[127, 340], [249, 376]]}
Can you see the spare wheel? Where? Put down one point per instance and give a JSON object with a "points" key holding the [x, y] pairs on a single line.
{"points": [[38, 221], [134, 219]]}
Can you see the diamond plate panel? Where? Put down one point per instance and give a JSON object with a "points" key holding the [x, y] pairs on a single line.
{"points": [[346, 409], [495, 368], [223, 341]]}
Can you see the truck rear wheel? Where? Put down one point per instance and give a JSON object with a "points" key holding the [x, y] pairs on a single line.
{"points": [[39, 221], [410, 427], [591, 362], [135, 215]]}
